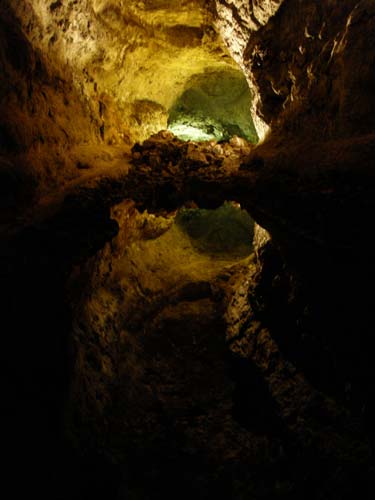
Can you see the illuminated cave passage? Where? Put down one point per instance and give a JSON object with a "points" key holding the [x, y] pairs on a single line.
{"points": [[216, 105], [186, 196]]}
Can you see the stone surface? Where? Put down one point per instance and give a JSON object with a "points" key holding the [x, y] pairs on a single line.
{"points": [[151, 308], [250, 378], [217, 104], [116, 68]]}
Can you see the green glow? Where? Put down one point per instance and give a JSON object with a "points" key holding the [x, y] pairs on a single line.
{"points": [[214, 105], [190, 133], [226, 230]]}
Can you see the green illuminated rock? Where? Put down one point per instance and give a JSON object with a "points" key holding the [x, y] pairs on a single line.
{"points": [[215, 105]]}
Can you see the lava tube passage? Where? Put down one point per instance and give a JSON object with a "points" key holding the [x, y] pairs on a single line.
{"points": [[215, 105]]}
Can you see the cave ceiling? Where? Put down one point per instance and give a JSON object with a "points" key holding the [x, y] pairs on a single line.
{"points": [[138, 54]]}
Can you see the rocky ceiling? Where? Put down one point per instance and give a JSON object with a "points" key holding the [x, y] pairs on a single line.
{"points": [[137, 55]]}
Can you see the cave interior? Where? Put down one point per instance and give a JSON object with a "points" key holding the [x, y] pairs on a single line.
{"points": [[187, 296]]}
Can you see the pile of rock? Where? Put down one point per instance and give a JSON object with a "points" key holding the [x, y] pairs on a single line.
{"points": [[164, 151]]}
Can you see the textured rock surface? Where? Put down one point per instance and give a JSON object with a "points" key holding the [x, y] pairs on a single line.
{"points": [[277, 401], [116, 67], [217, 104], [152, 381], [306, 62]]}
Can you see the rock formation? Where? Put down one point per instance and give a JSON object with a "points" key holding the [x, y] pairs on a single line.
{"points": [[185, 318]]}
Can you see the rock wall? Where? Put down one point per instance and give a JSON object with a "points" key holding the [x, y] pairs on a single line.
{"points": [[36, 125], [120, 68], [76, 75], [307, 62]]}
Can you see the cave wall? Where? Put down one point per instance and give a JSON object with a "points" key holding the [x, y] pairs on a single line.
{"points": [[79, 75], [37, 130], [119, 68], [314, 192], [308, 61]]}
